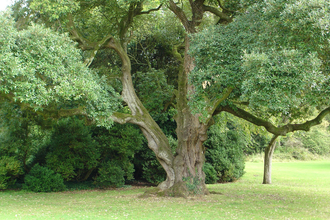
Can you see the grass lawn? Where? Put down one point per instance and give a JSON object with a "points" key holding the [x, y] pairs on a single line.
{"points": [[300, 190]]}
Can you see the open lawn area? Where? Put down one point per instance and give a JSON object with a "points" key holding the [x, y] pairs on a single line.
{"points": [[300, 190]]}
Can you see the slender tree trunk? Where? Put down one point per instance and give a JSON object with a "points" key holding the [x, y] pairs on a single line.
{"points": [[268, 160], [157, 140]]}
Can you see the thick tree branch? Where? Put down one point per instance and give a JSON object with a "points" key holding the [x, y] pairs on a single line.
{"points": [[176, 53], [218, 101], [123, 118], [281, 130], [181, 15], [7, 96], [197, 11], [215, 11], [62, 113], [84, 43], [151, 10]]}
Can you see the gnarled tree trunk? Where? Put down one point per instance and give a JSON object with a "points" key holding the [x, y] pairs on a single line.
{"points": [[189, 161], [191, 133], [184, 169], [268, 160]]}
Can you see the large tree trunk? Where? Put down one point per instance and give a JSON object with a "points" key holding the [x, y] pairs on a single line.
{"points": [[184, 170], [191, 133], [268, 160], [189, 161]]}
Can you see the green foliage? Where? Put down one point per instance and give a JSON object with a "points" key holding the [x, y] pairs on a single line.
{"points": [[110, 174], [10, 169], [42, 179], [258, 144], [210, 173], [193, 184], [153, 172], [44, 70], [79, 152], [23, 136], [224, 152], [274, 55], [119, 145], [153, 90], [157, 96], [72, 152], [54, 9], [315, 142]]}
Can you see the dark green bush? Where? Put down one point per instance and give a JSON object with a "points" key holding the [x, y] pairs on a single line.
{"points": [[79, 152], [225, 154], [153, 172], [110, 174], [210, 174], [118, 147], [43, 179], [10, 168], [72, 152]]}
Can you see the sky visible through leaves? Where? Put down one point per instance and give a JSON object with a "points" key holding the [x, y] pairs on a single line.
{"points": [[4, 4]]}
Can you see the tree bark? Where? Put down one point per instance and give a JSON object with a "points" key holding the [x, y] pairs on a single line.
{"points": [[268, 160], [191, 133], [190, 157], [184, 170], [157, 140]]}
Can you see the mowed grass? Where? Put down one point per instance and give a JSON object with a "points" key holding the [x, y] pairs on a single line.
{"points": [[300, 190]]}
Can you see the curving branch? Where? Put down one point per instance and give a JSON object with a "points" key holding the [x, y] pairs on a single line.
{"points": [[218, 101], [279, 131], [151, 10], [181, 15], [83, 43], [123, 118], [220, 14]]}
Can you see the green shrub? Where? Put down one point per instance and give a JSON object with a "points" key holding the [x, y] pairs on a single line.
{"points": [[110, 174], [153, 172], [72, 152], [43, 179], [210, 174], [119, 145], [10, 169], [225, 154]]}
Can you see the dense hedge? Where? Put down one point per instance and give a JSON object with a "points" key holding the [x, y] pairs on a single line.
{"points": [[224, 153], [72, 151], [42, 179]]}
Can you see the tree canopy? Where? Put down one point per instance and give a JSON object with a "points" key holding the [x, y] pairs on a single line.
{"points": [[44, 71], [264, 61]]}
